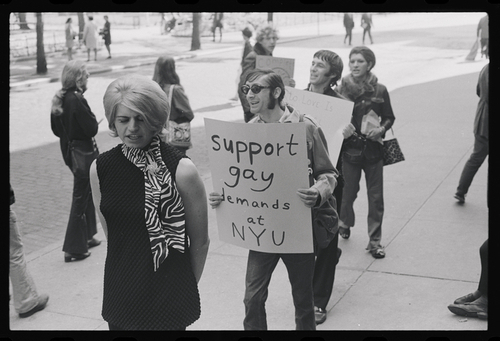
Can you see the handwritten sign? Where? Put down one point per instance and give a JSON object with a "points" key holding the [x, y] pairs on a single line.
{"points": [[258, 169], [282, 66], [332, 114]]}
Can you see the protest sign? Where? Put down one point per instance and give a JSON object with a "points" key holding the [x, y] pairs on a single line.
{"points": [[282, 66], [258, 169], [332, 114]]}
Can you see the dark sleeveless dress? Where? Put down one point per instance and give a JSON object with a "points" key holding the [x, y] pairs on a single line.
{"points": [[135, 296]]}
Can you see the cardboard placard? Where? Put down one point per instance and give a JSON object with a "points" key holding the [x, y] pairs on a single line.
{"points": [[332, 114], [258, 168], [282, 66]]}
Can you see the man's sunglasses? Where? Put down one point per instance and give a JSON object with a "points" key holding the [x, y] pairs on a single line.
{"points": [[255, 88]]}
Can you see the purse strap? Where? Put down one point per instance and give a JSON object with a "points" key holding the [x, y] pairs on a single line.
{"points": [[170, 93]]}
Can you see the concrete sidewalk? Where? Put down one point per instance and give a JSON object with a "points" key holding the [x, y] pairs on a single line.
{"points": [[432, 251], [432, 243]]}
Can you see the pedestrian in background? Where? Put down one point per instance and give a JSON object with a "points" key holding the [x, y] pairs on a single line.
{"points": [[90, 34], [217, 24], [265, 91], [153, 209], [247, 48], [363, 148], [267, 37], [366, 24], [349, 25], [326, 69], [475, 304], [481, 137], [106, 35], [27, 301], [482, 33], [70, 37], [75, 125], [178, 129]]}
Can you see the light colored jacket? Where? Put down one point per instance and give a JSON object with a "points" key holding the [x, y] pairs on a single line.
{"points": [[324, 173]]}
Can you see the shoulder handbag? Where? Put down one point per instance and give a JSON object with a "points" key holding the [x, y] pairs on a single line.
{"points": [[179, 134], [392, 151], [80, 154], [325, 220]]}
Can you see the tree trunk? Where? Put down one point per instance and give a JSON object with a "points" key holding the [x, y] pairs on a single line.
{"points": [[41, 62], [270, 17], [81, 25], [23, 25], [195, 37]]}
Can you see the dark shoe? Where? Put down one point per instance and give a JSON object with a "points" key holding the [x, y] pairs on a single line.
{"points": [[69, 257], [477, 308], [109, 57], [319, 315], [345, 232], [466, 299], [460, 198], [42, 302], [339, 253], [378, 253], [93, 242]]}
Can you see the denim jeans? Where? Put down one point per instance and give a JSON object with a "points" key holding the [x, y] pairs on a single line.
{"points": [[260, 268], [481, 150], [23, 286], [375, 191]]}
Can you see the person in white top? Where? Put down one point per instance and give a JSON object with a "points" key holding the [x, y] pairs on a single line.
{"points": [[90, 37]]}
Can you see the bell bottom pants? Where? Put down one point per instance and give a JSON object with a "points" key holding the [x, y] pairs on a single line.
{"points": [[24, 291], [375, 188], [476, 159], [260, 268], [82, 225]]}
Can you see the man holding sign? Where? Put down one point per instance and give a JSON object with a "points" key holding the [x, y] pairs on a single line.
{"points": [[264, 90]]}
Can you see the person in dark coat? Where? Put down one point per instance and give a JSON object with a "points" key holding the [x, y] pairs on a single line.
{"points": [[152, 206], [106, 35], [75, 124], [267, 37], [349, 25], [481, 137], [217, 24], [326, 69]]}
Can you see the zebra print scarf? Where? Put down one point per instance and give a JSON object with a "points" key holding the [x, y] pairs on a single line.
{"points": [[164, 210]]}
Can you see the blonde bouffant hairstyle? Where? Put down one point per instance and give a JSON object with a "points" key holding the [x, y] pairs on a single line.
{"points": [[140, 94]]}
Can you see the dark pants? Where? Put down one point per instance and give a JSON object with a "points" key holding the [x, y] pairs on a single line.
{"points": [[260, 268], [82, 219], [324, 273], [348, 33], [375, 190], [483, 280], [481, 150], [327, 259], [485, 50], [369, 31]]}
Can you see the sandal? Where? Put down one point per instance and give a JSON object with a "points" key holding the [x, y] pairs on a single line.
{"points": [[345, 232], [378, 253]]}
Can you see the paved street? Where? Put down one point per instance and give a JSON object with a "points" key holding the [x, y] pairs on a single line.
{"points": [[432, 243]]}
